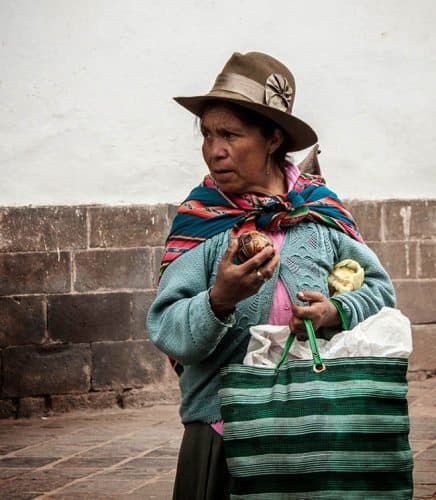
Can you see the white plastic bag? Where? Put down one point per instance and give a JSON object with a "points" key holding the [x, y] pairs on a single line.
{"points": [[386, 334]]}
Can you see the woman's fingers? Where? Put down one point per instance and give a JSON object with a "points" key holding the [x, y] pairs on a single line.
{"points": [[262, 266], [230, 252], [236, 282], [313, 312], [310, 296], [268, 269], [265, 260], [296, 326], [320, 311], [257, 260], [305, 312]]}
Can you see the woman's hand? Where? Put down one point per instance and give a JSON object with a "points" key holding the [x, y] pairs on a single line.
{"points": [[237, 282], [320, 310]]}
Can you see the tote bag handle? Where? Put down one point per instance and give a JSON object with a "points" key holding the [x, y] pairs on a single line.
{"points": [[318, 365]]}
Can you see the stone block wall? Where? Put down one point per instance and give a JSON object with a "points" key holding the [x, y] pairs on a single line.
{"points": [[76, 283], [403, 234]]}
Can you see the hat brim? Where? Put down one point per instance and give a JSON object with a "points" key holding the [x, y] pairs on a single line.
{"points": [[301, 135]]}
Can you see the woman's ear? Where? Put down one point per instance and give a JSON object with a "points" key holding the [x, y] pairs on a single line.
{"points": [[276, 140]]}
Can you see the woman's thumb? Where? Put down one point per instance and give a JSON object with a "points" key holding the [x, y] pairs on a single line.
{"points": [[309, 296], [231, 250]]}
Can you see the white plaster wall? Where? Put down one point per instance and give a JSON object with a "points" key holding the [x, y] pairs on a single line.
{"points": [[86, 114]]}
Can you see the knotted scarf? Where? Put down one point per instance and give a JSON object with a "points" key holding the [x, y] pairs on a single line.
{"points": [[208, 211]]}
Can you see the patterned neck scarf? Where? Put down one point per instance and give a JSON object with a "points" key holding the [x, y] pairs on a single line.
{"points": [[208, 211]]}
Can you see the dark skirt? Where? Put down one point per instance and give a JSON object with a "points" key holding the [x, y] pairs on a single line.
{"points": [[201, 469]]}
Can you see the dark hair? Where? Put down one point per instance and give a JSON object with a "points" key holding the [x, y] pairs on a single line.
{"points": [[265, 126]]}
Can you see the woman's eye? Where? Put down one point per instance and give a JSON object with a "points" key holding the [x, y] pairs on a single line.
{"points": [[229, 135]]}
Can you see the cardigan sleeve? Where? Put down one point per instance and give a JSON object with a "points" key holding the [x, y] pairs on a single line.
{"points": [[377, 290], [180, 321]]}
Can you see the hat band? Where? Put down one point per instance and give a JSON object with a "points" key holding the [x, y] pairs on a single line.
{"points": [[232, 82]]}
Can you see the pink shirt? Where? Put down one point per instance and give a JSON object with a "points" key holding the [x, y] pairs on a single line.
{"points": [[281, 308]]}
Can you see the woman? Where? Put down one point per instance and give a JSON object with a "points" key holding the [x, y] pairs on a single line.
{"points": [[207, 301]]}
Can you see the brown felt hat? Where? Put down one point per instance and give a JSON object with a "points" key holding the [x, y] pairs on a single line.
{"points": [[261, 83]]}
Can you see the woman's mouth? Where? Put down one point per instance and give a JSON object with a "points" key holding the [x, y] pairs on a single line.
{"points": [[222, 172]]}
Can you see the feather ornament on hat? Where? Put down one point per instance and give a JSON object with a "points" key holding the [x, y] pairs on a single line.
{"points": [[310, 164]]}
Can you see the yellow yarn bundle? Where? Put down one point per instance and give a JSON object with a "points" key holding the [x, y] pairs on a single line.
{"points": [[346, 276]]}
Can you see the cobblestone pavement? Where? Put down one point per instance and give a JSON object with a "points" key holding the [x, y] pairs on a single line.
{"points": [[132, 453]]}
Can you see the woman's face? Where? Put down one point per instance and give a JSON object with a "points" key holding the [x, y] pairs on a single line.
{"points": [[235, 152]]}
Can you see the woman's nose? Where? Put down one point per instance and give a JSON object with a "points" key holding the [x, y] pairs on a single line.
{"points": [[217, 147]]}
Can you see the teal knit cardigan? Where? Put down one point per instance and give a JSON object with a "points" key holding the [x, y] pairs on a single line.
{"points": [[182, 324]]}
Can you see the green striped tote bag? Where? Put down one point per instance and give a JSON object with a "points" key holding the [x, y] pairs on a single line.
{"points": [[313, 430]]}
